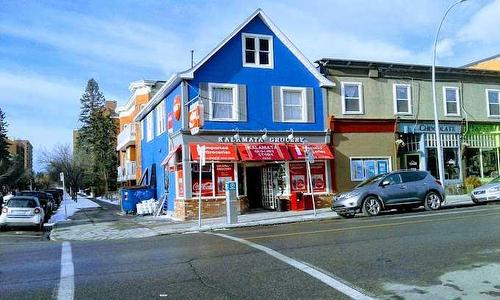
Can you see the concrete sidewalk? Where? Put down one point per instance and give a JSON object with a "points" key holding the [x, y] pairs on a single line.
{"points": [[147, 226]]}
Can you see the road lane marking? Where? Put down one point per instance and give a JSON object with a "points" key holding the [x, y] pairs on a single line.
{"points": [[67, 284], [364, 227], [308, 269]]}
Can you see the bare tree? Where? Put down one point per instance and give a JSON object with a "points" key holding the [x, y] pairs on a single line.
{"points": [[61, 159]]}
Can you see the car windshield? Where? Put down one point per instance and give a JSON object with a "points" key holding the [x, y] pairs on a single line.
{"points": [[24, 203], [371, 180], [495, 180]]}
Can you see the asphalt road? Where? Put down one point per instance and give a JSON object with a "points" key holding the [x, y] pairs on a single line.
{"points": [[450, 254]]}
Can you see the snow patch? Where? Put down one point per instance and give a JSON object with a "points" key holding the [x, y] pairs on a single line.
{"points": [[71, 208]]}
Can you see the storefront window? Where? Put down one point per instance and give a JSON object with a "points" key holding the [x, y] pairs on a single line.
{"points": [[451, 163], [490, 162], [223, 173], [364, 168], [299, 181], [473, 163], [206, 180]]}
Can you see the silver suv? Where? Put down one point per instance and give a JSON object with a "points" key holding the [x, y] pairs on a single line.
{"points": [[398, 189]]}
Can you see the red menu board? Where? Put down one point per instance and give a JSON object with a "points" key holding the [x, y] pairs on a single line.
{"points": [[180, 181], [223, 173], [263, 152]]}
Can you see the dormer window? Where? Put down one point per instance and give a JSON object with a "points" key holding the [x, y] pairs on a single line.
{"points": [[257, 50]]}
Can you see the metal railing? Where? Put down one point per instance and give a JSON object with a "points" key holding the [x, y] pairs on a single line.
{"points": [[126, 137], [127, 171]]}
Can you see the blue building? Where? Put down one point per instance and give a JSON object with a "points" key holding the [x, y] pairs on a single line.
{"points": [[254, 102]]}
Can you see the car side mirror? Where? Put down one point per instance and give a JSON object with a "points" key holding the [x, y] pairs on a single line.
{"points": [[385, 182]]}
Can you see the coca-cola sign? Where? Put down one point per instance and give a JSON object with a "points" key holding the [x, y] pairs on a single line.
{"points": [[206, 187]]}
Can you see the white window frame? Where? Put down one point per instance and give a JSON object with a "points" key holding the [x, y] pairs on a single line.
{"points": [[211, 86], [142, 129], [487, 91], [457, 100], [388, 158], [160, 118], [304, 103], [395, 100], [256, 38], [361, 101], [149, 127]]}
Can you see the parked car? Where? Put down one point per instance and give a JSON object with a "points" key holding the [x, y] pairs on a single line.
{"points": [[22, 211], [399, 189], [487, 192], [56, 195], [47, 204]]}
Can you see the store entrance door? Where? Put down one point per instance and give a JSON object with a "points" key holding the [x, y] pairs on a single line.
{"points": [[269, 186]]}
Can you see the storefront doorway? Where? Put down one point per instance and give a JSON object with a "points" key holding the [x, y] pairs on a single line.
{"points": [[262, 186]]}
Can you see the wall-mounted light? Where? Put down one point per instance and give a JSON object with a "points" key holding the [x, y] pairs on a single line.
{"points": [[290, 136], [236, 136], [264, 136]]}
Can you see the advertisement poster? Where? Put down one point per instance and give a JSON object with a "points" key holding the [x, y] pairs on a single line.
{"points": [[223, 173], [370, 168], [206, 187], [298, 177], [180, 182], [382, 167], [357, 166], [318, 177]]}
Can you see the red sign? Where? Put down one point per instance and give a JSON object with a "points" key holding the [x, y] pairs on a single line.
{"points": [[180, 182], [206, 187], [177, 107], [318, 176], [223, 152], [260, 152], [223, 173], [320, 151], [195, 117], [170, 122], [298, 177]]}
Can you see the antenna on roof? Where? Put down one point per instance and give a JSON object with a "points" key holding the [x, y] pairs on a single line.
{"points": [[192, 58]]}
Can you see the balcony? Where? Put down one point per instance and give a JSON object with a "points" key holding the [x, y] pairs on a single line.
{"points": [[126, 137], [126, 172]]}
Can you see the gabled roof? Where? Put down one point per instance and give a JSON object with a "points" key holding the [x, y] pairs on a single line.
{"points": [[481, 61], [176, 78]]}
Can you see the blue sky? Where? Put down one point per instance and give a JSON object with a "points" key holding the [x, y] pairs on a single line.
{"points": [[49, 49]]}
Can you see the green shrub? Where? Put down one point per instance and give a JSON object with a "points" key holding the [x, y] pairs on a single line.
{"points": [[472, 182]]}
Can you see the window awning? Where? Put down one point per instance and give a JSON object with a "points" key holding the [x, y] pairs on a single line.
{"points": [[263, 152], [215, 151], [170, 155], [320, 151]]}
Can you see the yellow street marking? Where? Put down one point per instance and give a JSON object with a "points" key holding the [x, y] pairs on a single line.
{"points": [[366, 227]]}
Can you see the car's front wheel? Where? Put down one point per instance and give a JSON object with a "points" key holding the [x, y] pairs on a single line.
{"points": [[432, 201], [372, 206]]}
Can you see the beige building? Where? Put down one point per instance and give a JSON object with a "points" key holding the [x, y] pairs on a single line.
{"points": [[24, 149]]}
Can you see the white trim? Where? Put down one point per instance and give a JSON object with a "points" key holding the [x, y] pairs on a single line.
{"points": [[351, 158], [160, 118], [149, 127], [234, 87], [142, 129], [303, 100], [256, 38], [457, 100], [360, 93], [488, 102], [323, 81], [394, 99]]}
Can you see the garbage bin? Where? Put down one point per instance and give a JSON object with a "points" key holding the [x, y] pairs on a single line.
{"points": [[130, 196], [297, 201]]}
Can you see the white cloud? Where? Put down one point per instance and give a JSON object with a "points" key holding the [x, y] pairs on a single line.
{"points": [[484, 26]]}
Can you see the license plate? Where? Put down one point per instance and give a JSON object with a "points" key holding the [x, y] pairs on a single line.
{"points": [[20, 213]]}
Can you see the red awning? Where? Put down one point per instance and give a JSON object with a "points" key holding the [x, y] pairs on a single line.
{"points": [[320, 151], [170, 155], [263, 152], [213, 151]]}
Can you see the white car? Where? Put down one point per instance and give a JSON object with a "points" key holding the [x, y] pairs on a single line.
{"points": [[22, 211]]}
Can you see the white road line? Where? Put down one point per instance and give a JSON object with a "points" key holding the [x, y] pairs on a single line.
{"points": [[332, 282], [67, 285]]}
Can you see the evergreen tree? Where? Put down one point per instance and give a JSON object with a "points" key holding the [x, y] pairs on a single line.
{"points": [[4, 144], [91, 101]]}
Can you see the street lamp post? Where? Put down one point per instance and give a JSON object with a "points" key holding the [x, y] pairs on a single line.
{"points": [[436, 121]]}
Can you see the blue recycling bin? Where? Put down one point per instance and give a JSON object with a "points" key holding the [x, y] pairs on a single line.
{"points": [[133, 195]]}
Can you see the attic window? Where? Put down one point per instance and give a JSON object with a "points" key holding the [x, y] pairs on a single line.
{"points": [[257, 50]]}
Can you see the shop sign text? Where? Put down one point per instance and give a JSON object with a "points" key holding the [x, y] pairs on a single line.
{"points": [[259, 139]]}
